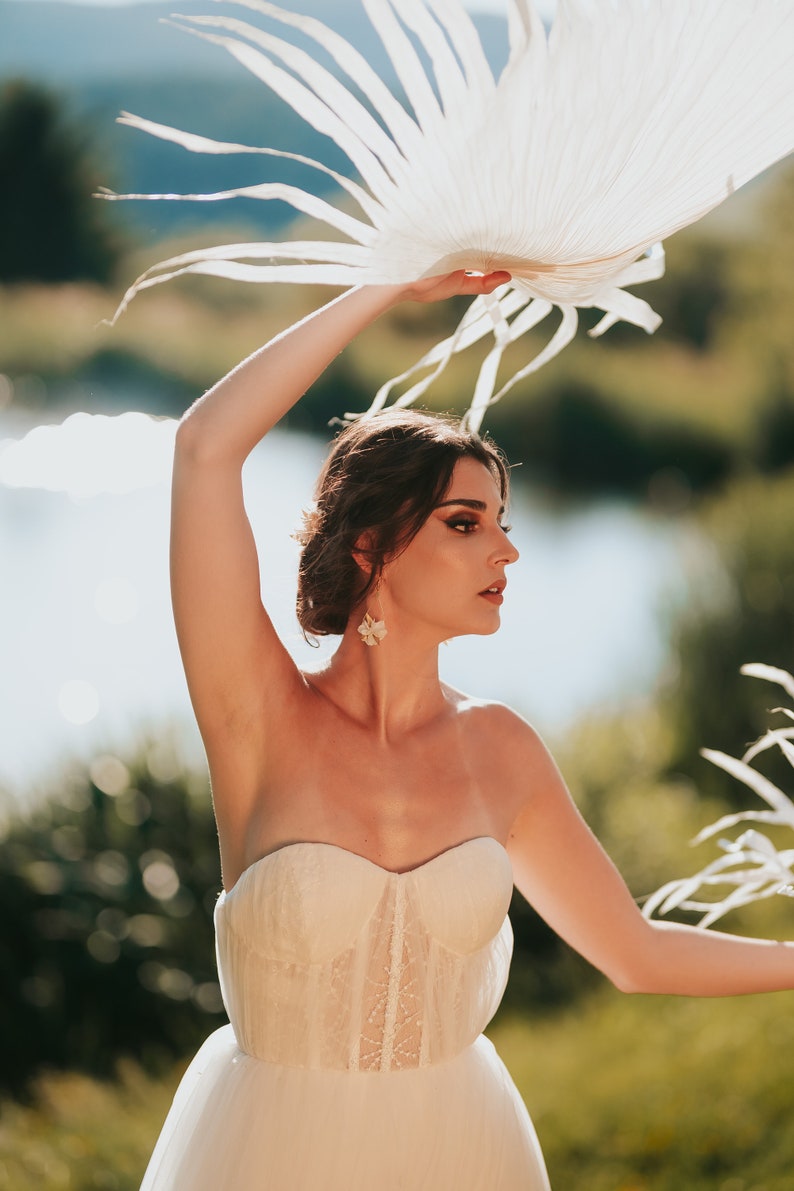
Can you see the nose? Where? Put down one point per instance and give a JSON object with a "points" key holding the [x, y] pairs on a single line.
{"points": [[506, 552]]}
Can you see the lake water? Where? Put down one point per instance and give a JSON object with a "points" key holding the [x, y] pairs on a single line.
{"points": [[89, 655]]}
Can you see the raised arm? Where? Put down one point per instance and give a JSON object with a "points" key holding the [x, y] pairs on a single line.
{"points": [[239, 675], [563, 872]]}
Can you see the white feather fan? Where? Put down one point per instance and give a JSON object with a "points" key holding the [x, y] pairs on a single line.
{"points": [[629, 120]]}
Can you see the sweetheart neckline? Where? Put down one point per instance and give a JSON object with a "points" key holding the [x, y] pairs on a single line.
{"points": [[387, 872]]}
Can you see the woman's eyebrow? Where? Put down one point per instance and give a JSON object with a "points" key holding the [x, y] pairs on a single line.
{"points": [[478, 505]]}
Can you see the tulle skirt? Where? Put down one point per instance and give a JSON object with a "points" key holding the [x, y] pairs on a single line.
{"points": [[240, 1124]]}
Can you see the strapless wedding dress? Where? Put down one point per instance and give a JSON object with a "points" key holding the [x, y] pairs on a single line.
{"points": [[355, 1059]]}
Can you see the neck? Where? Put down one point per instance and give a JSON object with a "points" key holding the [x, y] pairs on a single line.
{"points": [[390, 688]]}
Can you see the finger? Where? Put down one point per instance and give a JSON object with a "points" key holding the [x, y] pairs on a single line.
{"points": [[485, 283]]}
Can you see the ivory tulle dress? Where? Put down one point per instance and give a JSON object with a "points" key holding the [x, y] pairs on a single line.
{"points": [[355, 1058]]}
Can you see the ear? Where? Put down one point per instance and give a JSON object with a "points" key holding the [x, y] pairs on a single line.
{"points": [[361, 553]]}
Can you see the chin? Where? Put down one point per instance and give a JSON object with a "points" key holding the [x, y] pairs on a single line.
{"points": [[480, 628], [480, 631]]}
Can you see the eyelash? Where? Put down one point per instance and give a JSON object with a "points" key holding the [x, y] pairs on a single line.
{"points": [[470, 524]]}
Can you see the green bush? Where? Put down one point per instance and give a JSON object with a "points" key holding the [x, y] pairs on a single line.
{"points": [[572, 438], [748, 616], [660, 1093], [627, 1094], [107, 947]]}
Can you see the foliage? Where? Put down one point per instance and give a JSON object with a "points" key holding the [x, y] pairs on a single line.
{"points": [[612, 765], [545, 973], [707, 400], [750, 614], [751, 866], [627, 1094], [82, 1134], [107, 946], [774, 433], [50, 227], [574, 439], [660, 1093]]}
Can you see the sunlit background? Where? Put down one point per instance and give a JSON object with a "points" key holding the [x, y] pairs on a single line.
{"points": [[653, 508], [85, 625]]}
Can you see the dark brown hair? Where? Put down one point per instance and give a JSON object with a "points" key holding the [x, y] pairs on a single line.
{"points": [[383, 478]]}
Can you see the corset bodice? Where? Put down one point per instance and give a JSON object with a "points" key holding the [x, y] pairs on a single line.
{"points": [[327, 960]]}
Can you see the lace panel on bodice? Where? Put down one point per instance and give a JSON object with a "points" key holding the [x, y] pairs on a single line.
{"points": [[328, 960]]}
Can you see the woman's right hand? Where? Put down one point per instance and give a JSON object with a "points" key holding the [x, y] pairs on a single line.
{"points": [[451, 285]]}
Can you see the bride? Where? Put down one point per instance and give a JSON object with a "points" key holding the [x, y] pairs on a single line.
{"points": [[372, 820]]}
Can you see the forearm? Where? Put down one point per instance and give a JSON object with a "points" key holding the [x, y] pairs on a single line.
{"points": [[689, 961], [231, 418]]}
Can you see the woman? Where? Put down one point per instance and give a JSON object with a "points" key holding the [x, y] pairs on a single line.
{"points": [[371, 819]]}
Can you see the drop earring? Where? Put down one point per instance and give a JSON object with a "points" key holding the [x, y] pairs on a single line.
{"points": [[373, 631]]}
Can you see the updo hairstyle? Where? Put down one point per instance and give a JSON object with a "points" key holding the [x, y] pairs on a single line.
{"points": [[383, 478]]}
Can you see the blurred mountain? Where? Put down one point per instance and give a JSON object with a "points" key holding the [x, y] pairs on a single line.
{"points": [[105, 59], [78, 43]]}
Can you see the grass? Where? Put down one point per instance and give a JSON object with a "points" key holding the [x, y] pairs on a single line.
{"points": [[195, 329], [82, 1134], [660, 1094], [52, 331], [627, 1094]]}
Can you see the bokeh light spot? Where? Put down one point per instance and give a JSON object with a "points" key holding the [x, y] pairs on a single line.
{"points": [[68, 841], [78, 701], [207, 997], [133, 808], [160, 880], [38, 991], [109, 774], [111, 868], [176, 984], [45, 876], [146, 930], [89, 454], [162, 762], [114, 921], [103, 947]]}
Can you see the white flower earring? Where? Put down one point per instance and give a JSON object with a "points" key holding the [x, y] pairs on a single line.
{"points": [[373, 631]]}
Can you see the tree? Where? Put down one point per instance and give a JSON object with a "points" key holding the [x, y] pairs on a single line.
{"points": [[51, 229]]}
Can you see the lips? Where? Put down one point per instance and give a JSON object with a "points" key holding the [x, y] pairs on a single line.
{"points": [[494, 592]]}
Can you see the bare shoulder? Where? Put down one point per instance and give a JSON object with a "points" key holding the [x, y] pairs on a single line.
{"points": [[511, 748], [490, 718]]}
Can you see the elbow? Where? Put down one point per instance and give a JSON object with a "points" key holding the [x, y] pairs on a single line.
{"points": [[189, 437], [194, 441], [630, 980], [203, 439], [639, 966]]}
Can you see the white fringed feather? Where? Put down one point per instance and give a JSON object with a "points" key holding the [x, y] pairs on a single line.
{"points": [[751, 866], [628, 121]]}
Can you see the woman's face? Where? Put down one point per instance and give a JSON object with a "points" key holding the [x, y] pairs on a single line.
{"points": [[451, 578]]}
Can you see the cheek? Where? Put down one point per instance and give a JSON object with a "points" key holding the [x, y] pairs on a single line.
{"points": [[428, 566], [438, 566]]}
